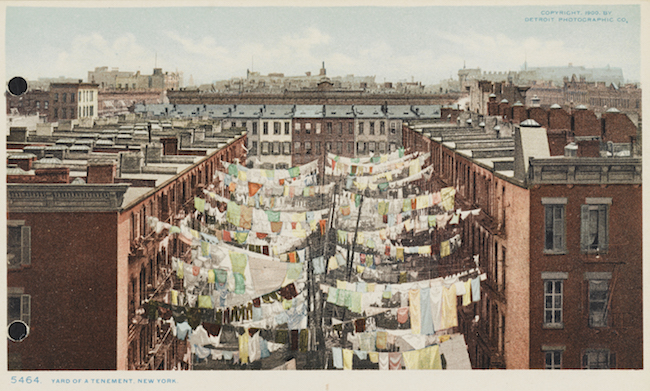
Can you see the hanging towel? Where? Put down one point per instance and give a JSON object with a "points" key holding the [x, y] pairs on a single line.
{"points": [[383, 361], [403, 315], [347, 359], [467, 298], [476, 289], [449, 317], [415, 310], [395, 361], [426, 323]]}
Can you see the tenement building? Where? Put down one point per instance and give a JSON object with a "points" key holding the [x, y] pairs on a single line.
{"points": [[559, 237], [82, 258]]}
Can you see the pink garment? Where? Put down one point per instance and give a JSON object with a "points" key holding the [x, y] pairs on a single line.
{"points": [[403, 315], [395, 361]]}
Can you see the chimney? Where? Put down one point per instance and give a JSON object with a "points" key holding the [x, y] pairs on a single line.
{"points": [[52, 175], [100, 172], [23, 160], [170, 145]]}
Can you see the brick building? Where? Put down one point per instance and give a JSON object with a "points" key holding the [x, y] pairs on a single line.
{"points": [[72, 101], [30, 103], [83, 296], [560, 239]]}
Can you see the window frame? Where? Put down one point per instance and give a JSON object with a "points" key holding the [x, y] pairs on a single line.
{"points": [[609, 362], [554, 279], [601, 208], [25, 241], [555, 353], [593, 301], [553, 205]]}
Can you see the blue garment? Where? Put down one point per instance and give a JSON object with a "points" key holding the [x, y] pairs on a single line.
{"points": [[340, 259], [348, 183], [264, 348], [257, 313], [391, 220], [319, 265], [337, 357], [426, 318], [476, 289], [296, 314], [282, 318], [363, 355], [361, 286], [183, 330]]}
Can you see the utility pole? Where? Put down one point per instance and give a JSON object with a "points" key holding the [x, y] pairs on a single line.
{"points": [[354, 241]]}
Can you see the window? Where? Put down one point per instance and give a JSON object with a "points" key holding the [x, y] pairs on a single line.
{"points": [[594, 225], [598, 298], [64, 113], [287, 128], [393, 147], [276, 128], [287, 148], [340, 128], [265, 129], [72, 112], [360, 127], [372, 128], [554, 226], [90, 95], [553, 303], [79, 96], [308, 148], [297, 127], [296, 147], [393, 127], [339, 147], [371, 146], [328, 146], [56, 113], [253, 150], [91, 110], [19, 241], [382, 146], [598, 359], [254, 128], [46, 104], [265, 148], [329, 128], [56, 97], [308, 128], [276, 147], [38, 104], [318, 128], [64, 97], [317, 147], [361, 147], [382, 128], [72, 97], [553, 359], [18, 305], [350, 128], [350, 147]]}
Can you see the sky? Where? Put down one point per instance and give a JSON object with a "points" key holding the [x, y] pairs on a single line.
{"points": [[426, 43]]}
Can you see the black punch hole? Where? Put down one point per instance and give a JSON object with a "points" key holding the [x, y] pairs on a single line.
{"points": [[17, 85], [17, 330]]}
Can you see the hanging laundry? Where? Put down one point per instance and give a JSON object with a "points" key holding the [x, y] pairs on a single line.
{"points": [[467, 298], [395, 361], [347, 359], [476, 289], [449, 317], [415, 310]]}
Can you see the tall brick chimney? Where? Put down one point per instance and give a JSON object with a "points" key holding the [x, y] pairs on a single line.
{"points": [[170, 145], [100, 172]]}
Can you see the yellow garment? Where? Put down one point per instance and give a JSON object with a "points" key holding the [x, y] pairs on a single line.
{"points": [[423, 201], [467, 297], [243, 347], [299, 217], [399, 253], [444, 338], [313, 225], [180, 273], [424, 250], [174, 297], [360, 237], [373, 357], [195, 233], [347, 359], [205, 301], [332, 264], [382, 234], [408, 225], [286, 191], [448, 195], [286, 304], [361, 186], [427, 358], [415, 310], [414, 167], [299, 233], [341, 284], [383, 158], [242, 176], [211, 275], [372, 186], [370, 287], [360, 269], [448, 318], [445, 250]]}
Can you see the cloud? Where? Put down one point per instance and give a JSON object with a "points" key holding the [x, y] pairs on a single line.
{"points": [[89, 51]]}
